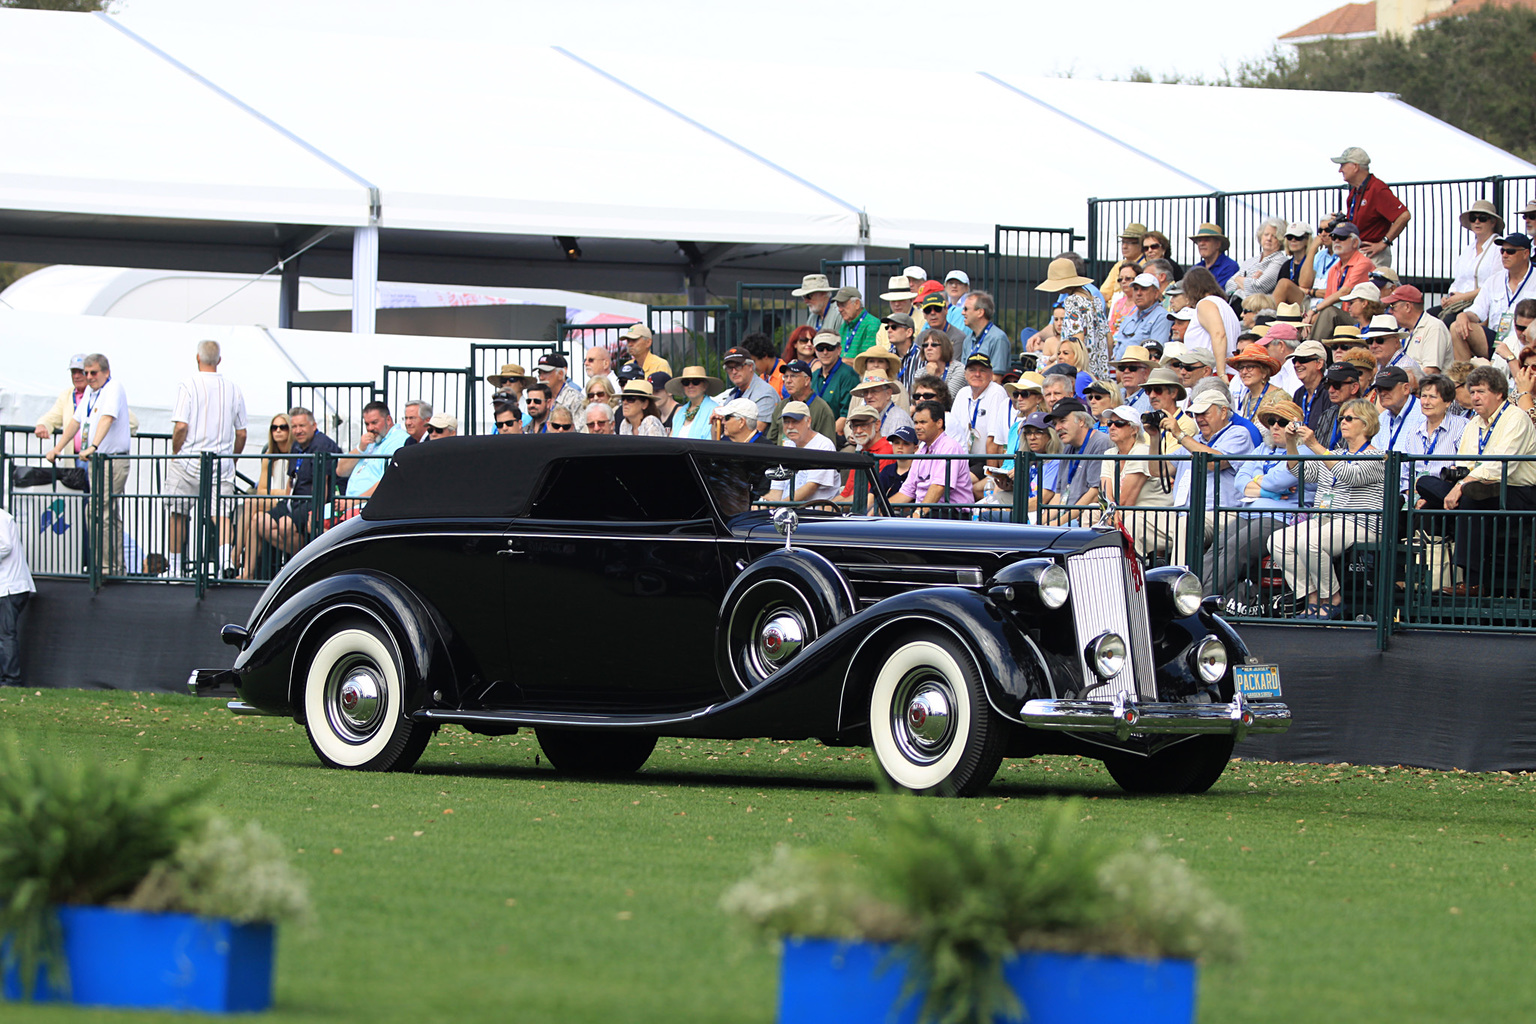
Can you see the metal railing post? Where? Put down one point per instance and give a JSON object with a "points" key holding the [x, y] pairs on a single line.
{"points": [[1093, 239], [1020, 513], [1194, 537], [1497, 184], [203, 522], [95, 527], [1219, 217], [1386, 568]]}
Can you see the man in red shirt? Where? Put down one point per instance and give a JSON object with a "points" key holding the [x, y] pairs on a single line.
{"points": [[1371, 206], [1353, 267]]}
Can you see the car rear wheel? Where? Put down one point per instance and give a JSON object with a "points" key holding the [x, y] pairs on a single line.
{"points": [[1192, 766], [354, 701], [931, 727], [588, 752]]}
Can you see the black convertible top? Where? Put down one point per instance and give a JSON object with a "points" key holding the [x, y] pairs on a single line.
{"points": [[496, 476]]}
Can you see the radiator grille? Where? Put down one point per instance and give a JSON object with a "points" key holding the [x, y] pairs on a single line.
{"points": [[1106, 599]]}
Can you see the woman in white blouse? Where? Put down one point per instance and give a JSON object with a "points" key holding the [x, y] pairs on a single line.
{"points": [[1479, 260]]}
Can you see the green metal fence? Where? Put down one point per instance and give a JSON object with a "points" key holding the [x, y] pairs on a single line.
{"points": [[690, 335], [446, 390]]}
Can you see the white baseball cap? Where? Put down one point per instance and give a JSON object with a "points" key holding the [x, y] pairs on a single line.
{"points": [[958, 275], [917, 272]]}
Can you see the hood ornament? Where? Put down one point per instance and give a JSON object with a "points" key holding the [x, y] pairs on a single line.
{"points": [[784, 521]]}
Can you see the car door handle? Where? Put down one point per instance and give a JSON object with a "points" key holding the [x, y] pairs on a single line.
{"points": [[513, 547]]}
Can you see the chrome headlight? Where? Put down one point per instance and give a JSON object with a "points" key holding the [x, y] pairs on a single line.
{"points": [[1106, 655], [1209, 659], [1187, 594], [1053, 587]]}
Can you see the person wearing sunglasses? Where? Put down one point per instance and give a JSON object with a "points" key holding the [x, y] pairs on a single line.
{"points": [[598, 419], [1346, 510], [1133, 257], [1490, 320], [101, 418], [508, 420], [440, 426], [271, 486], [1267, 489], [561, 421], [538, 399], [640, 419], [833, 380], [737, 420]]}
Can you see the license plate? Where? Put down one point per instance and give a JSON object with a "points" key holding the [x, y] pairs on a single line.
{"points": [[1258, 680]]}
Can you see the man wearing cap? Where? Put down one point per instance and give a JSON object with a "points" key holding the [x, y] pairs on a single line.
{"points": [[901, 333], [901, 299], [1351, 268], [1385, 340], [1178, 326], [935, 310], [987, 338], [551, 369], [638, 340], [1344, 382], [979, 416], [1147, 321], [1403, 418], [1078, 478], [859, 328], [1131, 370], [833, 380], [1212, 243], [737, 420], [55, 418], [1218, 436], [1131, 254], [1429, 340], [864, 436], [820, 313], [804, 484], [797, 381], [1371, 206], [442, 425], [1191, 364], [741, 371], [956, 284], [1491, 319], [935, 481], [1359, 302]]}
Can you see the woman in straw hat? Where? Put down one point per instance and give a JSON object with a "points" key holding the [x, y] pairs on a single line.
{"points": [[640, 419], [1081, 318], [1254, 366], [696, 390], [1479, 260]]}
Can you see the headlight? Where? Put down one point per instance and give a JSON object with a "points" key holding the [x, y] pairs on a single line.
{"points": [[1210, 659], [1106, 655], [1054, 588], [1187, 594]]}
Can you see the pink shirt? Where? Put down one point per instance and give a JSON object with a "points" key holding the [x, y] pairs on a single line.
{"points": [[928, 472]]}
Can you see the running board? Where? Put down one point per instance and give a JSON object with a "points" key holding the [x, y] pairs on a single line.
{"points": [[625, 722]]}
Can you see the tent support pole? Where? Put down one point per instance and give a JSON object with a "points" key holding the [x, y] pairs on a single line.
{"points": [[288, 293], [365, 278], [854, 275]]}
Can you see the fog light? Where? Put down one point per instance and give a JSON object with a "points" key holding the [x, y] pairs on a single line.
{"points": [[1187, 594], [1210, 659], [1106, 655]]}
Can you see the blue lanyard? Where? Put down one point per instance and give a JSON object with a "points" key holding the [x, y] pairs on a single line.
{"points": [[1397, 358], [1392, 444], [821, 317], [1431, 441], [1338, 430], [975, 411], [92, 397], [883, 414], [1072, 470], [1483, 437], [1250, 411], [1356, 197], [1509, 296], [976, 344], [1306, 403]]}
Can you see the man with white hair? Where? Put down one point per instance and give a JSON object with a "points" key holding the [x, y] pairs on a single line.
{"points": [[820, 313], [414, 420], [805, 484], [637, 339], [738, 422], [1218, 436], [957, 284], [209, 416]]}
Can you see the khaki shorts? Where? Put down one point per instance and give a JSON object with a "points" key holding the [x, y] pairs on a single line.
{"points": [[181, 484]]}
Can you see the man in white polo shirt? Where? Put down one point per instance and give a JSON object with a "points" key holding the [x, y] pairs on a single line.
{"points": [[209, 417], [805, 484], [103, 416]]}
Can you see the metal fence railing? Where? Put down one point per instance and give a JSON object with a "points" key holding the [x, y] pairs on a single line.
{"points": [[1424, 255], [1387, 568], [337, 407], [690, 335], [487, 358], [769, 308], [446, 390]]}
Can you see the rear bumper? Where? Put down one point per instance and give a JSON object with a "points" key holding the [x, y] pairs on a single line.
{"points": [[1123, 717]]}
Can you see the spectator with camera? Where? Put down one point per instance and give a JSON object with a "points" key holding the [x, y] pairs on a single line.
{"points": [[1217, 436], [1347, 508], [1268, 498], [1438, 436]]}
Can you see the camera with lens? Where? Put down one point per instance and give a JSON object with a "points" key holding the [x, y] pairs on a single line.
{"points": [[1152, 420], [1454, 475]]}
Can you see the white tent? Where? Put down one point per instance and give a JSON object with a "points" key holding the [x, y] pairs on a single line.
{"points": [[452, 145]]}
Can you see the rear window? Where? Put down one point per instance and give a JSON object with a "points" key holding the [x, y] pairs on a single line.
{"points": [[631, 488]]}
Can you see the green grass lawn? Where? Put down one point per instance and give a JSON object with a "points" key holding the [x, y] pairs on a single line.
{"points": [[482, 887]]}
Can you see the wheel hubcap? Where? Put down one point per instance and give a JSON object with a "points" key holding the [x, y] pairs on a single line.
{"points": [[781, 638], [356, 699], [923, 718]]}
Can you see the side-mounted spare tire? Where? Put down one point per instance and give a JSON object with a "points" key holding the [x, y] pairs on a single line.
{"points": [[776, 608]]}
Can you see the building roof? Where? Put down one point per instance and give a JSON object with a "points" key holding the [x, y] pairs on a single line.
{"points": [[1349, 20]]}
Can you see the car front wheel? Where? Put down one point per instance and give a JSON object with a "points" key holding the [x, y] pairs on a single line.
{"points": [[931, 727], [1192, 766], [354, 701]]}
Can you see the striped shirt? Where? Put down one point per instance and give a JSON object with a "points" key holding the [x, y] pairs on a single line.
{"points": [[212, 408], [1348, 485]]}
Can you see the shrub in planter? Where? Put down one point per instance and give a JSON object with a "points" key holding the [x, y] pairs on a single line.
{"points": [[958, 907], [76, 835]]}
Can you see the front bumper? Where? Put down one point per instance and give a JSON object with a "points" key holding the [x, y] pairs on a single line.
{"points": [[1124, 715]]}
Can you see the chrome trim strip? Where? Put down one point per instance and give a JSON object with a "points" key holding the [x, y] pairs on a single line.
{"points": [[1239, 718], [516, 717], [240, 707]]}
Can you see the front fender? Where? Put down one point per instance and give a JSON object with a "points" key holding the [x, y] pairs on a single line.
{"points": [[264, 671]]}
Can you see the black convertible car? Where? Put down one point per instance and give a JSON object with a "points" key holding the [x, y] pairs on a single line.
{"points": [[484, 573]]}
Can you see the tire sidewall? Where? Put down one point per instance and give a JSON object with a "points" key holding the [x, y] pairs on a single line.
{"points": [[940, 775], [335, 750]]}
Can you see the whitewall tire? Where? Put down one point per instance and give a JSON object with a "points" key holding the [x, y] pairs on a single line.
{"points": [[354, 701], [931, 727]]}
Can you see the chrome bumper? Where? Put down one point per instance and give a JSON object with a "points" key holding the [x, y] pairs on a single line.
{"points": [[1124, 716]]}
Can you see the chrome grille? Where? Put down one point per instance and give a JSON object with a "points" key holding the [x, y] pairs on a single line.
{"points": [[1106, 599]]}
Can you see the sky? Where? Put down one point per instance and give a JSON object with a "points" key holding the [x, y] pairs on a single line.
{"points": [[1086, 39]]}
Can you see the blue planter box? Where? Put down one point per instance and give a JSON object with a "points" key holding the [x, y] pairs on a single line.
{"points": [[826, 981], [133, 959]]}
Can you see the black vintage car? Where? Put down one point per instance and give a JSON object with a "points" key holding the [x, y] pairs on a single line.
{"points": [[485, 572]]}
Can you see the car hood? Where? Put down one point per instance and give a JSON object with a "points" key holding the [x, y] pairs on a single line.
{"points": [[964, 535]]}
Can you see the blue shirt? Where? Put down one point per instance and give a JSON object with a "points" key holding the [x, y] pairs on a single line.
{"points": [[1398, 433], [992, 343], [1277, 484], [1232, 439], [368, 472], [1142, 327], [1223, 270]]}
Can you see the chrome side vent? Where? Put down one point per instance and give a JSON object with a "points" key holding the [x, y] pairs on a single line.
{"points": [[1105, 599]]}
